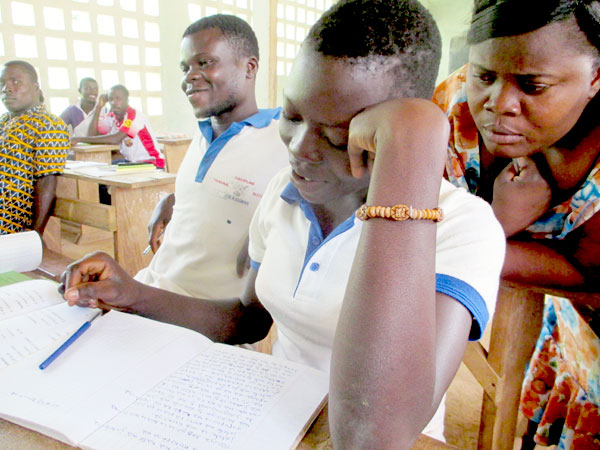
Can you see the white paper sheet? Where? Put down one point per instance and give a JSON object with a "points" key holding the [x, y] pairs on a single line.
{"points": [[20, 252]]}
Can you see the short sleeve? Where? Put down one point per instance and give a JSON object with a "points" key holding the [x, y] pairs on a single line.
{"points": [[269, 205], [51, 146], [131, 127], [469, 254]]}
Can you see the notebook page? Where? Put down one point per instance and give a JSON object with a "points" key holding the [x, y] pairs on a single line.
{"points": [[118, 359], [226, 398], [20, 252], [39, 331], [21, 298]]}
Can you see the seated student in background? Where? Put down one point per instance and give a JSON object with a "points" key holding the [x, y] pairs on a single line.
{"points": [[234, 154], [388, 306], [33, 149], [79, 115], [526, 137], [123, 125]]}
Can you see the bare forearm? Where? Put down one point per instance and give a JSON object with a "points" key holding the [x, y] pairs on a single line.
{"points": [[93, 129], [536, 263], [220, 320], [103, 139], [386, 335], [45, 191]]}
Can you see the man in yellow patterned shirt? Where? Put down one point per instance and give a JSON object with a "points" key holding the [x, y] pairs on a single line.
{"points": [[33, 150]]}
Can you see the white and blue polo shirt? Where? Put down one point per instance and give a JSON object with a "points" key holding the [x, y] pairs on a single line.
{"points": [[303, 277], [218, 187]]}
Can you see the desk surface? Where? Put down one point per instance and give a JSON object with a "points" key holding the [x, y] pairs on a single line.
{"points": [[15, 437], [93, 148], [173, 140], [132, 180]]}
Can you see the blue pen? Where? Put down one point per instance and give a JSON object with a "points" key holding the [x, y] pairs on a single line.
{"points": [[68, 342]]}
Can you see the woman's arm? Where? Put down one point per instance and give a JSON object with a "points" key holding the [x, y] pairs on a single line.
{"points": [[115, 138], [571, 263], [398, 343], [97, 280]]}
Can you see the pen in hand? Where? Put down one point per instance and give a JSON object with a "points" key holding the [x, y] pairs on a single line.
{"points": [[68, 342], [147, 249]]}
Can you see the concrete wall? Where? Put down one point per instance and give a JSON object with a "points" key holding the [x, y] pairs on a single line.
{"points": [[452, 17]]}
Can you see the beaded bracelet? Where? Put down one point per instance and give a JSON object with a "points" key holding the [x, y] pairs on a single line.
{"points": [[399, 212]]}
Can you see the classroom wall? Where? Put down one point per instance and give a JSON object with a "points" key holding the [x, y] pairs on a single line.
{"points": [[452, 17]]}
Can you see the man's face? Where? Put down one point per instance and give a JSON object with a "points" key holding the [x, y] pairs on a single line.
{"points": [[89, 91], [214, 75], [119, 102], [18, 91]]}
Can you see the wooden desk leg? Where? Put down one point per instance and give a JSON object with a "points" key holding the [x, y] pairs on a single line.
{"points": [[515, 329], [133, 210], [174, 154]]}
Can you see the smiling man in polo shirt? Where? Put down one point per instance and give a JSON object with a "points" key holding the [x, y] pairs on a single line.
{"points": [[233, 156]]}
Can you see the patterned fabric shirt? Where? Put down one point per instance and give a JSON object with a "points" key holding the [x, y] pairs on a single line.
{"points": [[32, 145], [463, 164]]}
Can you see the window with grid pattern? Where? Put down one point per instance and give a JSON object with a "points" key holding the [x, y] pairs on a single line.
{"points": [[202, 8], [113, 41], [294, 19]]}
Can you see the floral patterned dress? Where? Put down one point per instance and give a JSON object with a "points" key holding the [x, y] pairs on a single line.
{"points": [[561, 389]]}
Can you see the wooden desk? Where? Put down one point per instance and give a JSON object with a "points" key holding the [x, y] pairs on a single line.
{"points": [[133, 198], [15, 437], [94, 152], [174, 150]]}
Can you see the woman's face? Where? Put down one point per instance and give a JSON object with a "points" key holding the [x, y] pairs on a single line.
{"points": [[526, 92], [321, 96]]}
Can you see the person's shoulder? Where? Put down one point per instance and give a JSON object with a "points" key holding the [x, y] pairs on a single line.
{"points": [[47, 120], [453, 84], [458, 201]]}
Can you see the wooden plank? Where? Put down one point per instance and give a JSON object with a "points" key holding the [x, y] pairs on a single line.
{"points": [[86, 213], [475, 358], [174, 151], [126, 180], [134, 208]]}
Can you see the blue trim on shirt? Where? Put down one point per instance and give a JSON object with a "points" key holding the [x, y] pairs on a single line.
{"points": [[254, 264], [259, 120], [469, 298], [315, 235]]}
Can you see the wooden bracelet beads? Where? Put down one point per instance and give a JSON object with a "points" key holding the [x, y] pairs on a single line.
{"points": [[399, 212]]}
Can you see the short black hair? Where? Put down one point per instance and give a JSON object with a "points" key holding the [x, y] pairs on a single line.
{"points": [[399, 35], [501, 18], [86, 80], [237, 32], [27, 67], [121, 88]]}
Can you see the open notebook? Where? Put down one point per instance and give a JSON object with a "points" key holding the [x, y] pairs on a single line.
{"points": [[134, 383]]}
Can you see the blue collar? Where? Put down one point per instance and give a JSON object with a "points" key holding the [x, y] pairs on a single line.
{"points": [[261, 119]]}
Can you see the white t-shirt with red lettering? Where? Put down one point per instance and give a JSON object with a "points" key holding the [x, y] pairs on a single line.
{"points": [[140, 143]]}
